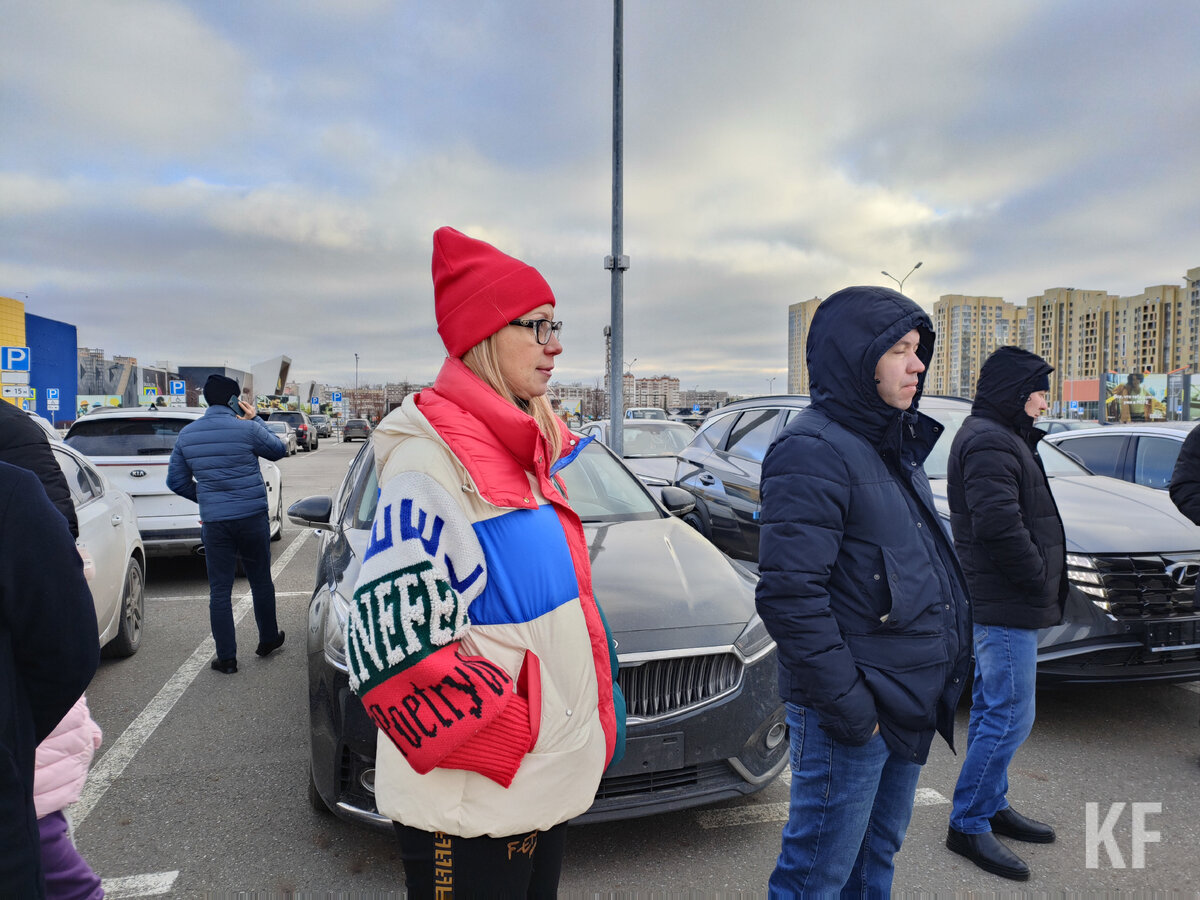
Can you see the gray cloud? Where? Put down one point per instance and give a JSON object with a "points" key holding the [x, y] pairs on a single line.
{"points": [[193, 181]]}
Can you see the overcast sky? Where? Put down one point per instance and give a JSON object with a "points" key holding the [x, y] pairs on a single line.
{"points": [[228, 181]]}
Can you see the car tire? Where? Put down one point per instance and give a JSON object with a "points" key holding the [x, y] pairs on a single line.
{"points": [[698, 519], [314, 796], [133, 610]]}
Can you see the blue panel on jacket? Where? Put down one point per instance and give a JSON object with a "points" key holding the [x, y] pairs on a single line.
{"points": [[529, 567]]}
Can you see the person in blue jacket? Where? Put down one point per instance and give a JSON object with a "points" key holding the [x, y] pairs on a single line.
{"points": [[215, 464], [861, 590]]}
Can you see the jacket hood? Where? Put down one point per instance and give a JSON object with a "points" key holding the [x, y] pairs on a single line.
{"points": [[1006, 380], [850, 332]]}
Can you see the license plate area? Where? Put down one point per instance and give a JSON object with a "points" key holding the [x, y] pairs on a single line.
{"points": [[654, 753], [1172, 634]]}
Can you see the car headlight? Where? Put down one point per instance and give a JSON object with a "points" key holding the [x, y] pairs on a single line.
{"points": [[755, 641], [1082, 573], [336, 615]]}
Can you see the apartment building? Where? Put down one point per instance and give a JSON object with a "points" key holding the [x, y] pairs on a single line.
{"points": [[799, 318], [968, 330]]}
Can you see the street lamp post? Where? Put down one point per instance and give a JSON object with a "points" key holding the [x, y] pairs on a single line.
{"points": [[771, 384], [900, 281], [356, 384]]}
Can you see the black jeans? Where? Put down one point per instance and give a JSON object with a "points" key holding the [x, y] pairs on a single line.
{"points": [[224, 542], [445, 866]]}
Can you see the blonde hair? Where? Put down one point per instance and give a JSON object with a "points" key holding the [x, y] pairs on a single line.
{"points": [[483, 360]]}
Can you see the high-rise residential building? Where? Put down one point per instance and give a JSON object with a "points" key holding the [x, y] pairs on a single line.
{"points": [[968, 330], [1072, 330], [799, 318]]}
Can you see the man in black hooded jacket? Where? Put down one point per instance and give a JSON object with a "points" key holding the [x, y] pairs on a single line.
{"points": [[1010, 541], [860, 589]]}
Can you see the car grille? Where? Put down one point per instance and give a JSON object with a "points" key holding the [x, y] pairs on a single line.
{"points": [[664, 687], [661, 782], [1148, 585]]}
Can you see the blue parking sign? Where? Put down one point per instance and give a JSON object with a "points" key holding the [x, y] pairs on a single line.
{"points": [[14, 359], [177, 388], [337, 396]]}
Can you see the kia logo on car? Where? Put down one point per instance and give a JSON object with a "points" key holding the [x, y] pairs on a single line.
{"points": [[141, 473], [1184, 574]]}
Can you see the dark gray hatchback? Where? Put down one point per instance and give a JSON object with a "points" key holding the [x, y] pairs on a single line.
{"points": [[697, 669], [1132, 558]]}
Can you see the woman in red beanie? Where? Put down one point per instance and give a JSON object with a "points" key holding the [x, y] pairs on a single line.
{"points": [[474, 640]]}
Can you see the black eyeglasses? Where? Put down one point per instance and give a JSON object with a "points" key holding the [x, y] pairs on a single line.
{"points": [[542, 328]]}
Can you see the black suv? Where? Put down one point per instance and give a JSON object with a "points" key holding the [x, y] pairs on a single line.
{"points": [[723, 464], [306, 432], [1132, 558], [323, 424]]}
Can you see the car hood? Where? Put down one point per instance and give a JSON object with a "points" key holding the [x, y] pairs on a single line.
{"points": [[1107, 515], [664, 587], [652, 466]]}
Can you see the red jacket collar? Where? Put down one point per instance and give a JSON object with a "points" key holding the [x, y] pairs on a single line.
{"points": [[495, 441]]}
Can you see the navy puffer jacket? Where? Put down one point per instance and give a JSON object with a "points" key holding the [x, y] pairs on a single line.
{"points": [[859, 585], [220, 452], [1007, 528]]}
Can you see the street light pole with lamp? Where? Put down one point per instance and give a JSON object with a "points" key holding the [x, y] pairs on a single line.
{"points": [[771, 384], [356, 385], [900, 281]]}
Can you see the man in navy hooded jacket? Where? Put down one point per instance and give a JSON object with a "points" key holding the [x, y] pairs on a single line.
{"points": [[860, 588], [215, 464], [1011, 543]]}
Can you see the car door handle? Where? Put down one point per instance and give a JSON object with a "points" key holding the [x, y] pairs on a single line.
{"points": [[707, 479], [115, 521]]}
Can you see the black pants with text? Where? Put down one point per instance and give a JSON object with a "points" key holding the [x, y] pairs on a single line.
{"points": [[443, 865]]}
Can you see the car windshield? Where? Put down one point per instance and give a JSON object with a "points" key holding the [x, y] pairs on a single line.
{"points": [[280, 427], [142, 436], [599, 489], [642, 439], [1054, 461]]}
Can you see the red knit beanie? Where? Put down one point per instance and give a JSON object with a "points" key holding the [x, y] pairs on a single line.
{"points": [[477, 290]]}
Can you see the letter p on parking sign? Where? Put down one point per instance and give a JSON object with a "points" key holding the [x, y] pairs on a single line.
{"points": [[14, 359]]}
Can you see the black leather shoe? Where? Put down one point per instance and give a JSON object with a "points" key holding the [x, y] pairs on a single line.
{"points": [[225, 666], [986, 851], [1011, 823], [266, 648]]}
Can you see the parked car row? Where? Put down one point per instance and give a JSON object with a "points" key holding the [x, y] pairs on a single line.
{"points": [[132, 447], [1133, 558]]}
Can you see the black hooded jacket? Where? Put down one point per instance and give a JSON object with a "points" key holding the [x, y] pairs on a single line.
{"points": [[1007, 529], [859, 585]]}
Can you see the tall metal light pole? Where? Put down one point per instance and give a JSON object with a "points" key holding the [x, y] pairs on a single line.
{"points": [[356, 385], [617, 263], [771, 384], [900, 281]]}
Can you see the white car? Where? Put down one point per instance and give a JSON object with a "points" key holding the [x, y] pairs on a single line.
{"points": [[649, 445], [132, 447], [108, 534]]}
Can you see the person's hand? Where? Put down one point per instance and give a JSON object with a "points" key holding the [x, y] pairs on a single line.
{"points": [[876, 731], [248, 410]]}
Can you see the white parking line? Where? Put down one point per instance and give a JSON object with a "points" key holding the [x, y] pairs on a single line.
{"points": [[204, 597], [139, 885], [114, 761], [778, 812]]}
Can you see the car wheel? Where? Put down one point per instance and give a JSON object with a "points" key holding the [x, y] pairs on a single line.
{"points": [[133, 609], [278, 535], [314, 796], [698, 519]]}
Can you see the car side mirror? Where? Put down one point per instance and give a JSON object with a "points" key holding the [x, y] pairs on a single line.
{"points": [[677, 501], [311, 512]]}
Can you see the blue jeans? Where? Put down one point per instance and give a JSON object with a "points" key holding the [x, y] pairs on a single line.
{"points": [[1002, 711], [850, 808], [249, 538]]}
